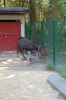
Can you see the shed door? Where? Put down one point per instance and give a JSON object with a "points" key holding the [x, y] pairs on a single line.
{"points": [[9, 33]]}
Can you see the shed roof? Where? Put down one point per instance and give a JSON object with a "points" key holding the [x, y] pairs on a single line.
{"points": [[14, 10]]}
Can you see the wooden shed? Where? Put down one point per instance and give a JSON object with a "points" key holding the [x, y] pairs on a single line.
{"points": [[12, 25]]}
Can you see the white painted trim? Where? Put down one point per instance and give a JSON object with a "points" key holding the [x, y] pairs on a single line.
{"points": [[10, 17], [22, 27]]}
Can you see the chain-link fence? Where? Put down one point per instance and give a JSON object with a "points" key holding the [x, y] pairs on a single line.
{"points": [[52, 34]]}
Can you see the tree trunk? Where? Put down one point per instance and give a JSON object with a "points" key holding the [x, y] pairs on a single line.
{"points": [[32, 18], [4, 2]]}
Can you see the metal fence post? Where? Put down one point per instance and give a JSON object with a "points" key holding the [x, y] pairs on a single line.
{"points": [[27, 29], [42, 40], [54, 41]]}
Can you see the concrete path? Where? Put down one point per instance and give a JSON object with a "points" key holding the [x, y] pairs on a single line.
{"points": [[19, 81]]}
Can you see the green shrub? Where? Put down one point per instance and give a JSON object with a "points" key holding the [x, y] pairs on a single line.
{"points": [[62, 73], [50, 67]]}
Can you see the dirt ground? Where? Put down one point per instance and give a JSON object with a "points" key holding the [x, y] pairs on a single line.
{"points": [[22, 81]]}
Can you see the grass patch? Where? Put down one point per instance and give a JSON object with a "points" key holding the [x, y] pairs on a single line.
{"points": [[50, 67], [62, 73]]}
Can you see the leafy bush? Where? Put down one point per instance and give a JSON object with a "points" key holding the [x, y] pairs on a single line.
{"points": [[50, 67], [62, 73]]}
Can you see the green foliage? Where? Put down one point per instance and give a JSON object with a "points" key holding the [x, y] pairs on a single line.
{"points": [[57, 8], [61, 72], [50, 66], [40, 9]]}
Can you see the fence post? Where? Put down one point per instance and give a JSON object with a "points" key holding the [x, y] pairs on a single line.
{"points": [[54, 42], [42, 40], [27, 30], [29, 34]]}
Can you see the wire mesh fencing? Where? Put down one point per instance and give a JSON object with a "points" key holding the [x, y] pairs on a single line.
{"points": [[51, 34]]}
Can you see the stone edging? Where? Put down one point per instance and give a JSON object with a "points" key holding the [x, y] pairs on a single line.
{"points": [[58, 82]]}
